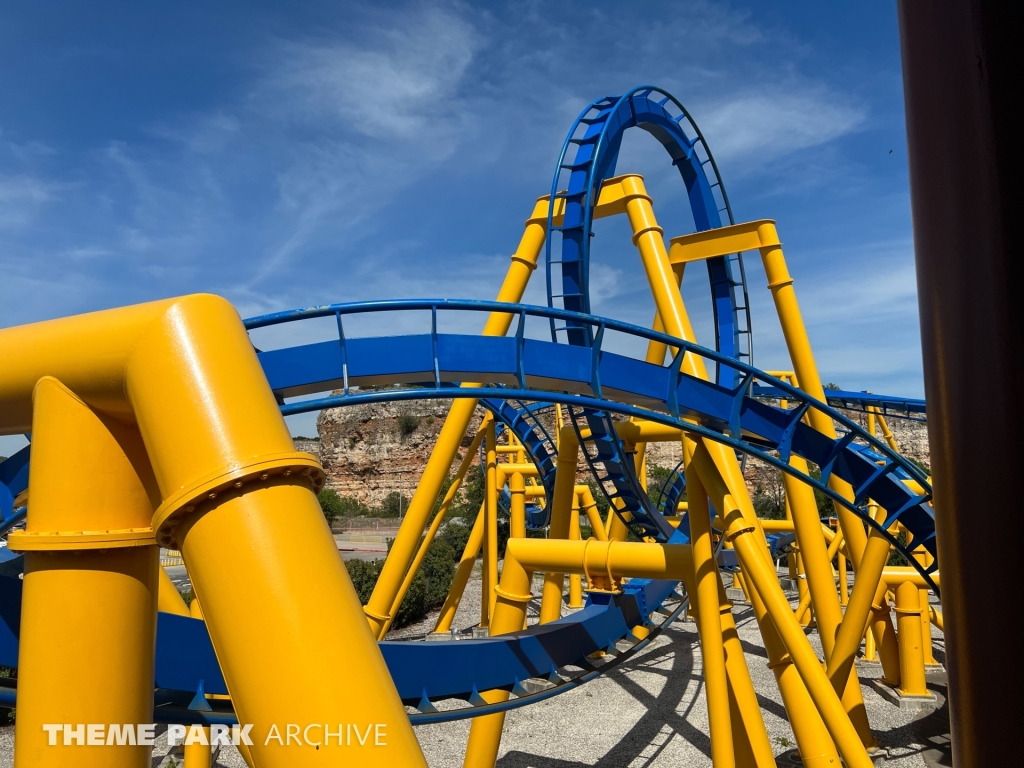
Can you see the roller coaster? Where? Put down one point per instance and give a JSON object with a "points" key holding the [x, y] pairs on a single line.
{"points": [[161, 425]]}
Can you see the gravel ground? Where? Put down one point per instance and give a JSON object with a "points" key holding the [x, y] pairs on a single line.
{"points": [[649, 711]]}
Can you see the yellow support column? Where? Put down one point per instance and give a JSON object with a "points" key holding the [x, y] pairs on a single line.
{"points": [[647, 235], [517, 490], [844, 581], [809, 699], [168, 598], [561, 516], [763, 237], [575, 580], [752, 747], [709, 624], [926, 629], [870, 653], [491, 526], [589, 505], [513, 596], [866, 604], [185, 371], [913, 684], [198, 754], [462, 574], [87, 473], [403, 549]]}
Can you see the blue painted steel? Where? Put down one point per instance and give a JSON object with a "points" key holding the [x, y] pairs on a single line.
{"points": [[636, 388], [522, 419], [593, 142], [615, 471], [13, 481], [626, 386], [672, 490], [889, 406]]}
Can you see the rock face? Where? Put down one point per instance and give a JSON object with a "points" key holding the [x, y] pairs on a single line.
{"points": [[911, 438], [370, 450]]}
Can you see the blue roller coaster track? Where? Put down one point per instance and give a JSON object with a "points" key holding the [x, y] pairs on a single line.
{"points": [[531, 370], [522, 377]]}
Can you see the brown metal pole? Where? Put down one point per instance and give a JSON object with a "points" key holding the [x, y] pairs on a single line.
{"points": [[960, 90]]}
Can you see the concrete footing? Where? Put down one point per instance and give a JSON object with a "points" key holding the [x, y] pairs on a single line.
{"points": [[910, 703]]}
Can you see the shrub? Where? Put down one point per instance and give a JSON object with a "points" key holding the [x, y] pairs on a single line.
{"points": [[186, 595], [438, 570], [408, 423], [455, 533], [330, 503], [428, 589]]}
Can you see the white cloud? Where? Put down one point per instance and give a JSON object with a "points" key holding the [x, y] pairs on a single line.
{"points": [[758, 126], [21, 197], [391, 83]]}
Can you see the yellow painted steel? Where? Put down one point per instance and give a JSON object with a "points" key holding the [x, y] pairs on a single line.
{"points": [[709, 625], [850, 634], [908, 617], [815, 745], [513, 596], [763, 237], [168, 598], [561, 517], [184, 370], [767, 596], [844, 581], [926, 629], [88, 472], [750, 737], [589, 506], [156, 375], [490, 579], [575, 580], [517, 506], [462, 574], [611, 200], [198, 754], [435, 524]]}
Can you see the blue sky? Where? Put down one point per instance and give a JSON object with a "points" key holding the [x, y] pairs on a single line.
{"points": [[284, 155]]}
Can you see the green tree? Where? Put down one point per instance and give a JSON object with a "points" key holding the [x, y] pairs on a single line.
{"points": [[769, 498], [394, 504], [331, 504]]}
